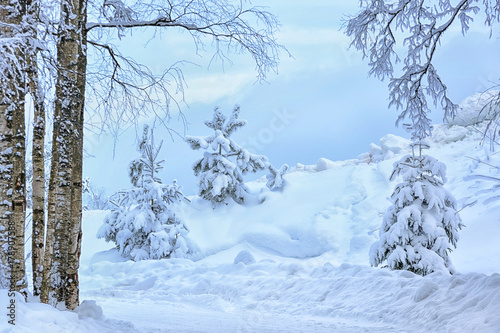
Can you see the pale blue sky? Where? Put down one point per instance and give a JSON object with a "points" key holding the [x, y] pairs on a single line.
{"points": [[321, 104]]}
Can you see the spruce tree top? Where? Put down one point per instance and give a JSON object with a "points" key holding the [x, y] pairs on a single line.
{"points": [[223, 130]]}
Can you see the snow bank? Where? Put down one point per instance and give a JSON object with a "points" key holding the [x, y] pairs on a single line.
{"points": [[36, 317], [311, 288], [390, 146], [314, 214], [472, 110]]}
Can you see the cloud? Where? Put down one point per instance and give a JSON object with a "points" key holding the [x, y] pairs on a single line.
{"points": [[210, 88]]}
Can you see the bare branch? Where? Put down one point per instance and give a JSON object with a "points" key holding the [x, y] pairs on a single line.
{"points": [[122, 91], [233, 29]]}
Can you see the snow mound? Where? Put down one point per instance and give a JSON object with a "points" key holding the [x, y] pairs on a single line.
{"points": [[244, 257], [89, 309], [444, 134], [35, 317], [390, 146], [306, 290], [425, 290], [324, 164], [472, 110]]}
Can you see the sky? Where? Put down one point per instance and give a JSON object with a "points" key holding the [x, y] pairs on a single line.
{"points": [[320, 104]]}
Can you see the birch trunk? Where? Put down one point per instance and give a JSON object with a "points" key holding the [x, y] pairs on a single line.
{"points": [[12, 149], [45, 293], [37, 156], [72, 298], [62, 146], [67, 137], [5, 190], [18, 271], [38, 196], [75, 236]]}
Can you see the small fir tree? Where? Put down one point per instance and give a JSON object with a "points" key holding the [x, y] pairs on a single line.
{"points": [[221, 169], [275, 178], [94, 197], [421, 226], [147, 165], [144, 223]]}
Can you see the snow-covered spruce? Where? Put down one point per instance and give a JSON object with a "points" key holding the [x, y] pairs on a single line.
{"points": [[421, 225], [143, 224], [221, 169], [275, 178]]}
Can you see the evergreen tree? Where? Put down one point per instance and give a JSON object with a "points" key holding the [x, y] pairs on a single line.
{"points": [[94, 197], [421, 226], [146, 165], [220, 177], [144, 223], [275, 178]]}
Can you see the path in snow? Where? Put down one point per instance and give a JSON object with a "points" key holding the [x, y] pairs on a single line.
{"points": [[163, 316]]}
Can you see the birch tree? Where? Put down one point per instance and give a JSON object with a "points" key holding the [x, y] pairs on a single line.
{"points": [[381, 27], [12, 148], [38, 147], [64, 216]]}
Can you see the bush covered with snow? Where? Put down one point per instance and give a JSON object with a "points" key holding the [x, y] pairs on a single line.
{"points": [[421, 225], [143, 224]]}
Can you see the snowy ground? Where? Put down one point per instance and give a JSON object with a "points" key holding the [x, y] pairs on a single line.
{"points": [[299, 261]]}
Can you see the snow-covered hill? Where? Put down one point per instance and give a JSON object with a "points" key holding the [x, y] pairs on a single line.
{"points": [[298, 262]]}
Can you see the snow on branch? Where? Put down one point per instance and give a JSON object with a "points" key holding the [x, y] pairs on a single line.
{"points": [[123, 90], [382, 26], [233, 28]]}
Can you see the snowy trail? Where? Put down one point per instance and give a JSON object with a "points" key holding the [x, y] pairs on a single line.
{"points": [[183, 296], [162, 316]]}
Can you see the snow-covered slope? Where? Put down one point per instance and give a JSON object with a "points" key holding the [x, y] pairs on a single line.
{"points": [[298, 262]]}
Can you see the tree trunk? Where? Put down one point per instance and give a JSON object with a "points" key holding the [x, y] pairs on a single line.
{"points": [[38, 195], [75, 236], [12, 145], [45, 293], [18, 272], [75, 241], [65, 203], [5, 190], [38, 160]]}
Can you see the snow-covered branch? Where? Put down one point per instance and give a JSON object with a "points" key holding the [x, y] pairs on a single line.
{"points": [[419, 26], [159, 22], [232, 28]]}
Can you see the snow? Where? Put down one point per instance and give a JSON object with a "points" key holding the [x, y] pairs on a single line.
{"points": [[472, 110], [299, 260]]}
